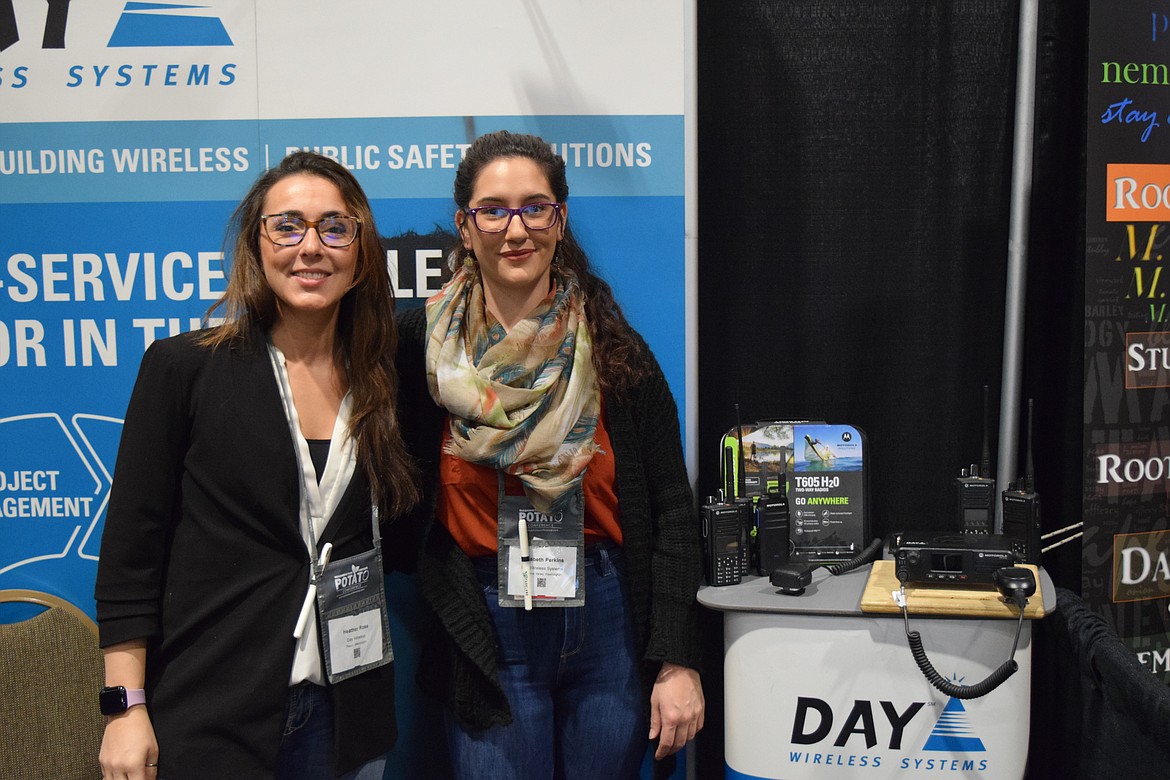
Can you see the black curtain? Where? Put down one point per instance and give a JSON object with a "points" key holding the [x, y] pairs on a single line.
{"points": [[854, 191], [1106, 714]]}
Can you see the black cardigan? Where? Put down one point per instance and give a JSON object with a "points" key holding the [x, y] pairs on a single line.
{"points": [[202, 556], [659, 530]]}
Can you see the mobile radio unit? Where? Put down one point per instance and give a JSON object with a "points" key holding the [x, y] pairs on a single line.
{"points": [[956, 559]]}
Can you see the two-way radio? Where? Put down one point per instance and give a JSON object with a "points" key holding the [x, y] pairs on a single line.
{"points": [[721, 528], [955, 559], [772, 531], [745, 508], [1021, 510], [975, 490], [766, 518]]}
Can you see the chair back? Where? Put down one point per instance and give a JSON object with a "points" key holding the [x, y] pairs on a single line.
{"points": [[50, 673]]}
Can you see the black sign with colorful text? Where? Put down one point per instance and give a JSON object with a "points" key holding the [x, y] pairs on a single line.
{"points": [[1127, 326]]}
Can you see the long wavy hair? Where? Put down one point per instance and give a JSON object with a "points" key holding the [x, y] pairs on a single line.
{"points": [[367, 337], [617, 349]]}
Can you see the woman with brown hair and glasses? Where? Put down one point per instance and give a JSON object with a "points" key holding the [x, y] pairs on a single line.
{"points": [[560, 544], [240, 589]]}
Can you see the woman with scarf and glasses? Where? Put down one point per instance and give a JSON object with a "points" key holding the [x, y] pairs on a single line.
{"points": [[239, 591], [560, 553]]}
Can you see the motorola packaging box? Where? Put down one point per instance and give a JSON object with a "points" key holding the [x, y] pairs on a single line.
{"points": [[767, 455], [827, 493], [822, 466]]}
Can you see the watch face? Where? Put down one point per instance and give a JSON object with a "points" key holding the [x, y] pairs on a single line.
{"points": [[112, 700]]}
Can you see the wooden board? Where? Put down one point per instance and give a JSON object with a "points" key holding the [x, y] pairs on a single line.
{"points": [[946, 601]]}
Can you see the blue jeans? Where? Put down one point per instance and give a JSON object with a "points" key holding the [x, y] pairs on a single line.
{"points": [[306, 749], [573, 681]]}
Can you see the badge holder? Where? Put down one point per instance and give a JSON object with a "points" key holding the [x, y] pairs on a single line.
{"points": [[351, 603], [540, 557]]}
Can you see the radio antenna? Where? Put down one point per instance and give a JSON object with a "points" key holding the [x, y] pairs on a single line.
{"points": [[741, 478], [1028, 474], [985, 465]]}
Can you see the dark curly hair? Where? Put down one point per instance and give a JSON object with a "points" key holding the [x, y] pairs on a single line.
{"points": [[617, 349]]}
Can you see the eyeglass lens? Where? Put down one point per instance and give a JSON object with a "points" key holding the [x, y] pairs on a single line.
{"points": [[289, 229], [536, 216]]}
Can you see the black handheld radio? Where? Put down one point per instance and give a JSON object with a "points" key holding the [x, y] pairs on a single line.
{"points": [[1021, 510], [772, 530], [975, 490], [722, 532]]}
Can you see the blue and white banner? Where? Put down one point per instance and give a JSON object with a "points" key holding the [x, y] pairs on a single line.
{"points": [[130, 130]]}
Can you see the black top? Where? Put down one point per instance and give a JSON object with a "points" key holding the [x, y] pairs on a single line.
{"points": [[319, 453]]}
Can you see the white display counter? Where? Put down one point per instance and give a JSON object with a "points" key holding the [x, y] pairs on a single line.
{"points": [[816, 688]]}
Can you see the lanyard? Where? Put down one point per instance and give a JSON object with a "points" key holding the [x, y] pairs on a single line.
{"points": [[349, 594], [317, 500]]}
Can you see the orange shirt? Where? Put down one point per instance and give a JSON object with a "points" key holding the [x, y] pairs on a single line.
{"points": [[468, 495]]}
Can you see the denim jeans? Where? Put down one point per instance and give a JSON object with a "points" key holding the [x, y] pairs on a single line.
{"points": [[306, 749], [573, 681]]}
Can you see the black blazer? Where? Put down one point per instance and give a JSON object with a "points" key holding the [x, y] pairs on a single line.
{"points": [[202, 556]]}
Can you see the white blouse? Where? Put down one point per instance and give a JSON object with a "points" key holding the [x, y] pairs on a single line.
{"points": [[318, 502]]}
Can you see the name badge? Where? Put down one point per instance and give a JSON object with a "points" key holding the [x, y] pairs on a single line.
{"points": [[540, 555], [351, 601]]}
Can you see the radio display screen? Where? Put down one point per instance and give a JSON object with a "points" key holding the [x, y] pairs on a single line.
{"points": [[950, 562]]}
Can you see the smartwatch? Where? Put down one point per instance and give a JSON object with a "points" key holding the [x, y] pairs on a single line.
{"points": [[116, 700]]}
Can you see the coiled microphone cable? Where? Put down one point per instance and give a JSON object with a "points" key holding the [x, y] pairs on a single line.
{"points": [[1016, 584], [862, 558], [792, 578]]}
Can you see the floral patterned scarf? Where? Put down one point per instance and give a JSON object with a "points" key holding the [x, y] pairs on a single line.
{"points": [[526, 401]]}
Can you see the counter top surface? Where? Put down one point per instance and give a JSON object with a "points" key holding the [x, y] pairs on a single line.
{"points": [[844, 594]]}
